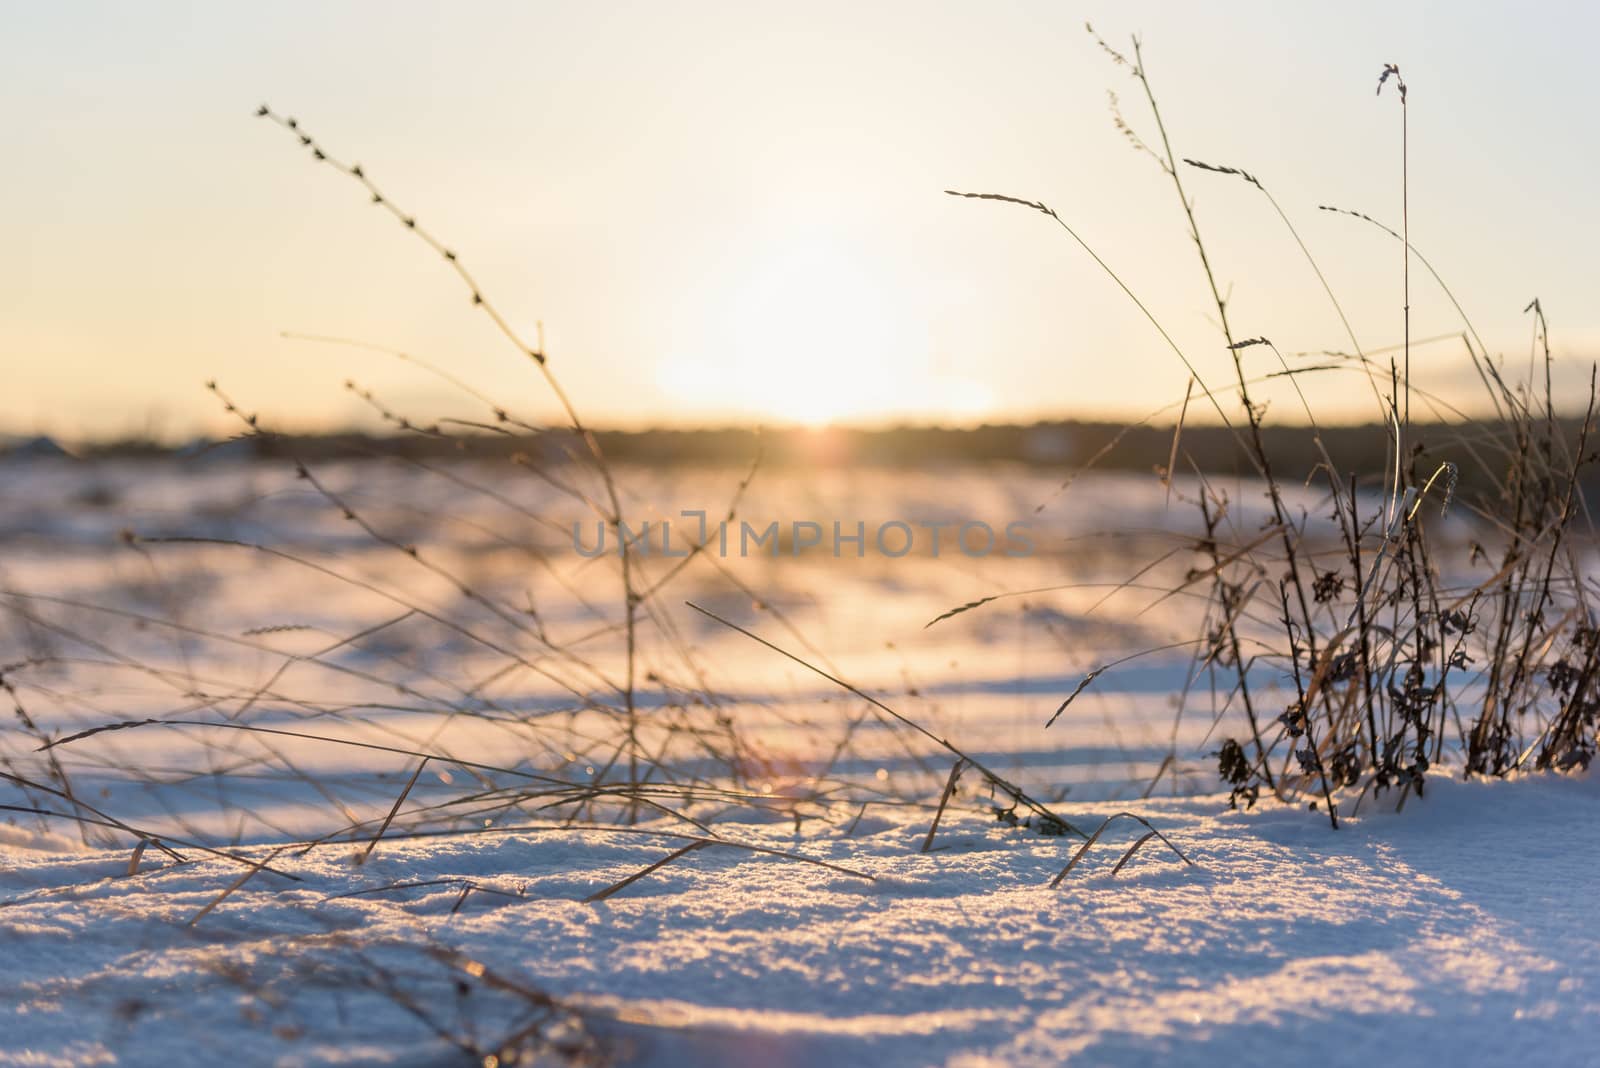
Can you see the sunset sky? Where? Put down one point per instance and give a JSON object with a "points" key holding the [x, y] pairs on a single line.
{"points": [[733, 212]]}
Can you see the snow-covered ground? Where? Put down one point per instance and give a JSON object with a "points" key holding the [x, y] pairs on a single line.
{"points": [[1461, 929], [807, 925]]}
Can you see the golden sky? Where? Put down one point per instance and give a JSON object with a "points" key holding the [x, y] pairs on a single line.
{"points": [[733, 212]]}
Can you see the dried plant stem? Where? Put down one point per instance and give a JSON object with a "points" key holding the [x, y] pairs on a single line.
{"points": [[631, 596]]}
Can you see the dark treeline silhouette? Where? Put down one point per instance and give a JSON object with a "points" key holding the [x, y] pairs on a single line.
{"points": [[1063, 445]]}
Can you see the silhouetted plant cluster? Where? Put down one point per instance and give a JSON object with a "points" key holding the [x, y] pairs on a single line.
{"points": [[1398, 654]]}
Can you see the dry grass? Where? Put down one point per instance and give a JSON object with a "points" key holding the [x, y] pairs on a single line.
{"points": [[1378, 641]]}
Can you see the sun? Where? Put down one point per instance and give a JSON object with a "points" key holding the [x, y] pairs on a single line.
{"points": [[821, 331], [821, 337], [810, 334]]}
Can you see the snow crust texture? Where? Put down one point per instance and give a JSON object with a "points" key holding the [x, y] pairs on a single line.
{"points": [[1460, 929]]}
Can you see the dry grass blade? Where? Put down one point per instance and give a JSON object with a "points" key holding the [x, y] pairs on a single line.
{"points": [[1089, 677], [601, 895], [1183, 357], [1004, 199], [254, 870], [944, 799], [389, 888], [97, 817], [251, 728], [1083, 684], [1177, 436], [468, 888], [1132, 850], [969, 606], [1168, 761], [1095, 837], [478, 970], [1008, 788], [392, 811]]}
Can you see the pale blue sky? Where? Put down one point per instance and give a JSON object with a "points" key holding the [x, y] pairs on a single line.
{"points": [[733, 211]]}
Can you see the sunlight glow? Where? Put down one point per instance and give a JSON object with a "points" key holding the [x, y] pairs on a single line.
{"points": [[813, 335]]}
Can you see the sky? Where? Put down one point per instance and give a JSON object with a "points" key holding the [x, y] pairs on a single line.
{"points": [[734, 212]]}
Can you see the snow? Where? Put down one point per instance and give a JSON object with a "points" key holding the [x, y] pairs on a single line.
{"points": [[1459, 928]]}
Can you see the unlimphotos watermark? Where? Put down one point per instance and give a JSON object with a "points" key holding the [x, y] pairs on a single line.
{"points": [[892, 538]]}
